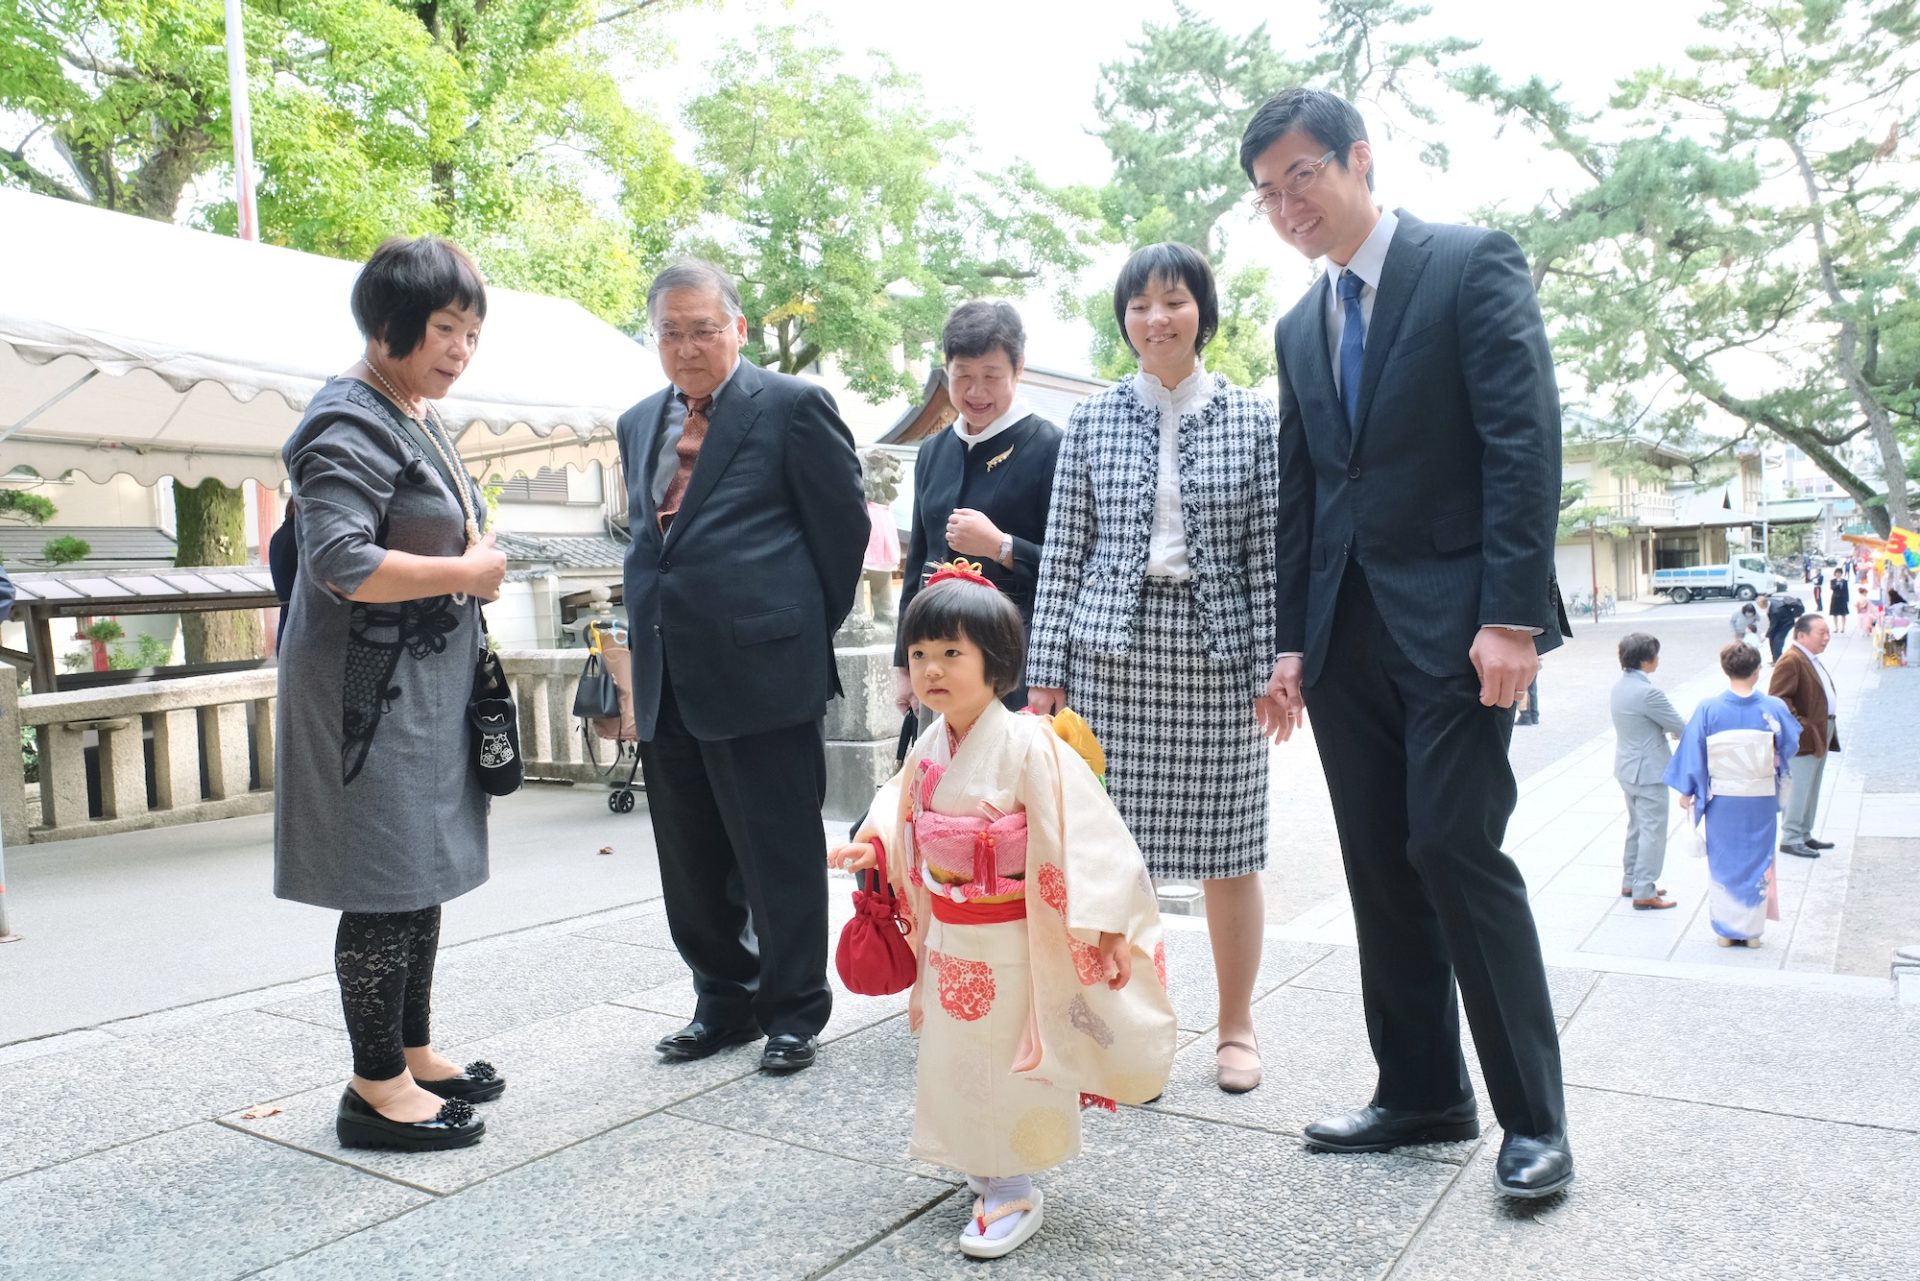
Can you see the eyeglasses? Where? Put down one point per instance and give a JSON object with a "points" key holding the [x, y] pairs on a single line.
{"points": [[705, 336], [1298, 183]]}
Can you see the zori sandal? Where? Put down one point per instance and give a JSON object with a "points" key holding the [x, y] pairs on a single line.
{"points": [[976, 1245]]}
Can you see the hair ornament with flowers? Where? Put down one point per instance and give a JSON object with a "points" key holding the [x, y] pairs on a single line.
{"points": [[964, 570]]}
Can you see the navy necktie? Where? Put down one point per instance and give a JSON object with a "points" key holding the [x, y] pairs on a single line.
{"points": [[1353, 344]]}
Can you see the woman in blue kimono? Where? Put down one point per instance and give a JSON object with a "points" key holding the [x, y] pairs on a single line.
{"points": [[1729, 771]]}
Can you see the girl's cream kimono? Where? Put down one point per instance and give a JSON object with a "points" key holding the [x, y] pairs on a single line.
{"points": [[1013, 863]]}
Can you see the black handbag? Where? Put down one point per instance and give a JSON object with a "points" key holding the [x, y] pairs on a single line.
{"points": [[596, 697], [493, 724]]}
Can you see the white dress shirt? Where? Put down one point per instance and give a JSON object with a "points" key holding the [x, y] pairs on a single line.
{"points": [[970, 438], [1369, 262], [1167, 542], [1826, 681]]}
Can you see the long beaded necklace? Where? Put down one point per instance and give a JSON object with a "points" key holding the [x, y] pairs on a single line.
{"points": [[448, 451]]}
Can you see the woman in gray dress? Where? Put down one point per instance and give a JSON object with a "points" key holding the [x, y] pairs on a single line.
{"points": [[1155, 612], [378, 811]]}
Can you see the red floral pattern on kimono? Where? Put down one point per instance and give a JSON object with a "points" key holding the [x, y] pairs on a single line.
{"points": [[1053, 887], [966, 987], [1160, 963], [1086, 962]]}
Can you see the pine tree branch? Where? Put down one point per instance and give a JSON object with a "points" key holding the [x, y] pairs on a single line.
{"points": [[626, 12]]}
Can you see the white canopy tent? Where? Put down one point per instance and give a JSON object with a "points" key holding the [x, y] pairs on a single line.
{"points": [[128, 345]]}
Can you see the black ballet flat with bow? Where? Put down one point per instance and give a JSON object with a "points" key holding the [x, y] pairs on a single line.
{"points": [[479, 1083], [455, 1125]]}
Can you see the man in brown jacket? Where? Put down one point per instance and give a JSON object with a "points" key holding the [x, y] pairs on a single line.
{"points": [[1801, 681]]}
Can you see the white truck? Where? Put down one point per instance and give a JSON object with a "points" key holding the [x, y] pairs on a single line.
{"points": [[1743, 578]]}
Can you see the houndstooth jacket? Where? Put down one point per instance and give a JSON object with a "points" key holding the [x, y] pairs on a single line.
{"points": [[1094, 560]]}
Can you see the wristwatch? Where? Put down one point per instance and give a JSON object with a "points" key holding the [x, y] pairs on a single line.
{"points": [[1006, 551]]}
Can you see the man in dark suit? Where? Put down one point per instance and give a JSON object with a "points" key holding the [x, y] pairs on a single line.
{"points": [[749, 526], [1420, 481]]}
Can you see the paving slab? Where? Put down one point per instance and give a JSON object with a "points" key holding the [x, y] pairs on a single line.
{"points": [[1340, 972], [568, 1078], [58, 1107], [1195, 989], [662, 1197], [1669, 1189], [488, 988], [857, 1101], [1316, 1060], [1174, 1198], [646, 928], [1811, 1054], [199, 1202], [850, 1013]]}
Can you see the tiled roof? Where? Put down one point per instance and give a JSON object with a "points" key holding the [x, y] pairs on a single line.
{"points": [[564, 551], [113, 546]]}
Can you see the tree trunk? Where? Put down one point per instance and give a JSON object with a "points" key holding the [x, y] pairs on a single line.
{"points": [[212, 530]]}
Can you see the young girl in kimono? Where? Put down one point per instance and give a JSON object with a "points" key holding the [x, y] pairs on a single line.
{"points": [[1041, 976], [1728, 771]]}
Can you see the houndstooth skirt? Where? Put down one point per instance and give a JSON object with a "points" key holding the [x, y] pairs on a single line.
{"points": [[1186, 764]]}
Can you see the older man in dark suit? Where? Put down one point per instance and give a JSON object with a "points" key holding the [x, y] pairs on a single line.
{"points": [[1420, 481], [749, 526]]}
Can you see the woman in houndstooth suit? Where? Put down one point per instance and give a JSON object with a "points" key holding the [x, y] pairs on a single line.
{"points": [[1154, 615]]}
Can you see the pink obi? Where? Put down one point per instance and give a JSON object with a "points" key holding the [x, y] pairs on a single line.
{"points": [[991, 855]]}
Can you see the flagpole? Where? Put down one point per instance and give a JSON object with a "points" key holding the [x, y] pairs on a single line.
{"points": [[247, 225]]}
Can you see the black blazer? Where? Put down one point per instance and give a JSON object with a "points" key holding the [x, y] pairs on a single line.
{"points": [[1014, 493], [1447, 489], [740, 600]]}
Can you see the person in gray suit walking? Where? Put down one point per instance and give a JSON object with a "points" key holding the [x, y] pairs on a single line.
{"points": [[1643, 720]]}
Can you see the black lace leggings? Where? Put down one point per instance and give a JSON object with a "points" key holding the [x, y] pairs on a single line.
{"points": [[384, 961]]}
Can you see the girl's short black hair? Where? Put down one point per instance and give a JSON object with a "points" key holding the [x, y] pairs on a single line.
{"points": [[406, 281], [1171, 262], [981, 616]]}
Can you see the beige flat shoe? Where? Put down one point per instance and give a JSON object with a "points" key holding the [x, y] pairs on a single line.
{"points": [[1236, 1080]]}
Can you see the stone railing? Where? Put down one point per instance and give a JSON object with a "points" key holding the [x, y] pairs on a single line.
{"points": [[200, 747], [173, 751]]}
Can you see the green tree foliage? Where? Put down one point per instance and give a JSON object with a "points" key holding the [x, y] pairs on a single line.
{"points": [[496, 122], [37, 509], [1741, 234], [848, 214], [1171, 116]]}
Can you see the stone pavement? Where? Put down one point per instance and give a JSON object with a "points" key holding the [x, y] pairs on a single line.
{"points": [[1723, 1132], [1570, 824]]}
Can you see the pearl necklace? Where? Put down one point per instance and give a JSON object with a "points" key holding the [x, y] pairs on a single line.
{"points": [[448, 451]]}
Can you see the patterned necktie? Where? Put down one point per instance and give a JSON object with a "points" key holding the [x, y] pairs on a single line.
{"points": [[1353, 344], [687, 449]]}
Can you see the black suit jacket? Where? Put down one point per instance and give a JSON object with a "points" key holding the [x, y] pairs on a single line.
{"points": [[1447, 489], [1014, 493], [740, 599]]}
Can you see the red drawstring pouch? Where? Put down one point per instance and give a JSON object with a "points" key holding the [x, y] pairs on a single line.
{"points": [[873, 957]]}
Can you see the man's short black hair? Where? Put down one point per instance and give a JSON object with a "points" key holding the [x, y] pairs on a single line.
{"points": [[1170, 263], [1739, 660], [980, 615], [1637, 649], [1803, 625], [1327, 118], [977, 327], [406, 281]]}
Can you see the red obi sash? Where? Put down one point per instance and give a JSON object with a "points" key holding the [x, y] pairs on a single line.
{"points": [[945, 909]]}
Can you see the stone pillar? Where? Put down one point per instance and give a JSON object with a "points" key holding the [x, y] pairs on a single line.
{"points": [[262, 714], [13, 770], [863, 730], [176, 758], [63, 777], [123, 769], [223, 733]]}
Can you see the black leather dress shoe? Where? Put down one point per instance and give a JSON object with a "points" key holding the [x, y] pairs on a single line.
{"points": [[698, 1040], [789, 1053], [455, 1125], [479, 1083], [1377, 1129], [1812, 844], [1533, 1167], [1800, 851]]}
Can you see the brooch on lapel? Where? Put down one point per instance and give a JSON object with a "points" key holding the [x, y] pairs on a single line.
{"points": [[999, 458]]}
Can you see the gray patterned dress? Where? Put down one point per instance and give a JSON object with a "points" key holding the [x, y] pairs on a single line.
{"points": [[377, 807], [1165, 669]]}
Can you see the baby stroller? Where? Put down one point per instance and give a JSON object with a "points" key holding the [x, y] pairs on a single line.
{"points": [[612, 741]]}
